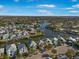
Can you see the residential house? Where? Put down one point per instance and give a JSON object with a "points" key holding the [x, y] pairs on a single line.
{"points": [[25, 33], [1, 51], [48, 41], [62, 39], [55, 41], [41, 42], [6, 36], [22, 49], [72, 39], [32, 31], [13, 36], [11, 50], [32, 44]]}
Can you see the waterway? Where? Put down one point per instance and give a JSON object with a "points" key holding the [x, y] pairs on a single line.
{"points": [[50, 34]]}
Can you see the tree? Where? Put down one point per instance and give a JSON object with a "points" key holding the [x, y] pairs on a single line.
{"points": [[70, 53], [77, 53], [54, 53], [76, 44]]}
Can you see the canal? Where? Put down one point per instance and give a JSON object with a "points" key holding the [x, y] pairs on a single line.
{"points": [[50, 34]]}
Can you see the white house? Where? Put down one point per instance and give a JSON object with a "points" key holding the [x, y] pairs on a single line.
{"points": [[12, 36], [32, 31], [2, 31], [33, 44], [77, 38], [62, 39], [70, 38], [55, 41], [25, 34], [11, 50], [6, 36], [1, 51], [22, 49], [19, 34], [41, 42], [48, 41]]}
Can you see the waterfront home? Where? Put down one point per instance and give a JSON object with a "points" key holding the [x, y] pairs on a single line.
{"points": [[6, 36], [13, 37], [72, 39], [1, 51], [48, 41], [32, 44], [41, 42], [77, 38], [55, 41], [22, 49], [69, 42], [11, 50], [62, 39]]}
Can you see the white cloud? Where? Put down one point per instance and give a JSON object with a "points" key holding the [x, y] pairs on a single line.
{"points": [[74, 0], [65, 15], [45, 12], [76, 6], [74, 11], [1, 7], [31, 0], [47, 5], [16, 0], [68, 8]]}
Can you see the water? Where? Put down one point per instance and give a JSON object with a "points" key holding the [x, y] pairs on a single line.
{"points": [[50, 34]]}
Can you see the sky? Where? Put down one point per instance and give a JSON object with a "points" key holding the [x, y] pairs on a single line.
{"points": [[39, 7]]}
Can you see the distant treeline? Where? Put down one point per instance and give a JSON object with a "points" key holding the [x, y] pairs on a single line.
{"points": [[30, 19]]}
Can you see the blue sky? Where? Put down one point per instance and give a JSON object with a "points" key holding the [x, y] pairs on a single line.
{"points": [[39, 7]]}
